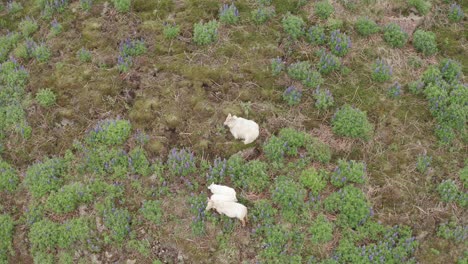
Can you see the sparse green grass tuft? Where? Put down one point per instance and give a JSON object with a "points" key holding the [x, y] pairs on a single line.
{"points": [[425, 42], [46, 97]]}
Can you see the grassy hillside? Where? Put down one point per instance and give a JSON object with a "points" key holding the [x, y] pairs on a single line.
{"points": [[111, 129]]}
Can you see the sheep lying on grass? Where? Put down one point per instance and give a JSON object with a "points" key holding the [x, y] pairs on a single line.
{"points": [[223, 190], [230, 209], [242, 128]]}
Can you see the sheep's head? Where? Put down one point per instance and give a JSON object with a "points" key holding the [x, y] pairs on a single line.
{"points": [[211, 186], [210, 205], [229, 120]]}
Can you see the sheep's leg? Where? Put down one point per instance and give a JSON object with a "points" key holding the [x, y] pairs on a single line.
{"points": [[243, 222]]}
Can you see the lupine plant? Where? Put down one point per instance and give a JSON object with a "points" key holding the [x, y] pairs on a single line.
{"points": [[450, 70], [425, 42], [328, 62], [14, 7], [197, 208], [453, 231], [313, 80], [323, 9], [281, 245], [9, 179], [394, 91], [299, 70], [313, 180], [323, 98], [277, 65], [381, 71], [205, 33], [455, 13], [51, 7], [28, 26], [6, 233], [68, 198], [289, 196], [41, 52], [124, 63], [366, 27], [347, 172], [138, 162], [7, 42], [181, 162], [109, 132], [395, 36], [152, 211], [132, 47], [263, 215], [117, 221], [229, 14], [423, 163], [321, 230], [339, 43], [262, 14], [171, 30], [217, 171], [352, 205], [43, 177], [46, 97], [55, 28], [122, 5], [448, 191], [84, 55], [318, 150], [316, 35], [293, 26], [416, 87], [351, 122], [422, 6], [292, 95]]}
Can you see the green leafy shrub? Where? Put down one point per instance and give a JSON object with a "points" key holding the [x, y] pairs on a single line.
{"points": [[14, 7], [293, 26], [395, 36], [274, 149], [256, 178], [229, 14], [28, 26], [109, 132], [43, 177], [323, 9], [217, 171], [46, 97], [299, 70], [351, 204], [351, 122], [431, 75], [455, 13], [181, 162], [262, 14], [381, 71], [103, 160], [9, 179], [348, 171], [152, 211], [73, 231], [463, 174], [138, 162], [425, 42], [323, 98], [328, 62], [316, 35], [366, 27], [321, 230], [84, 55], [289, 196], [34, 213], [295, 140], [171, 31], [277, 66], [86, 5], [42, 53], [448, 191], [313, 180], [422, 6], [44, 235], [450, 70], [416, 87], [423, 163], [6, 235], [339, 43], [205, 33], [7, 43], [292, 95], [122, 5], [68, 198], [318, 150], [313, 80]]}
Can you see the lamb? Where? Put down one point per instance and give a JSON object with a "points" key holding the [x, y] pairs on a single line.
{"points": [[242, 128], [230, 209], [223, 198], [223, 190]]}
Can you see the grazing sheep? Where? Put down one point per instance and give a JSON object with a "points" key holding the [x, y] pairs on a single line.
{"points": [[223, 198], [230, 209], [242, 128], [223, 190]]}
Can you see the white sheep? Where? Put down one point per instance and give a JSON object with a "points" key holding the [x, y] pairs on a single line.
{"points": [[223, 190], [223, 198], [230, 209], [242, 128]]}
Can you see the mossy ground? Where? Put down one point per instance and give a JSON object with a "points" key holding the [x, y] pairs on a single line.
{"points": [[179, 94]]}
